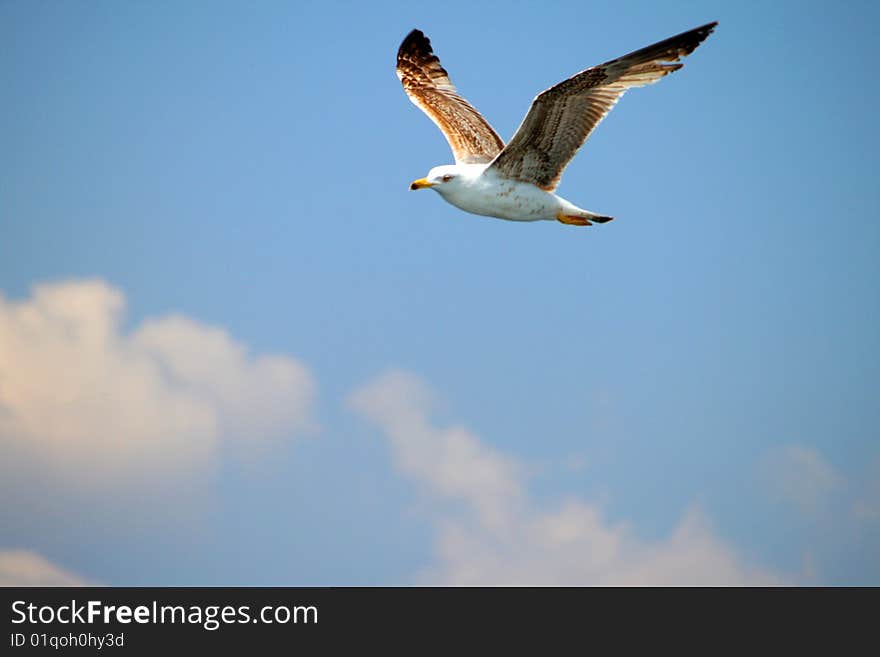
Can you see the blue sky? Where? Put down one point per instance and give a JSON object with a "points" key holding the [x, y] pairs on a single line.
{"points": [[235, 349]]}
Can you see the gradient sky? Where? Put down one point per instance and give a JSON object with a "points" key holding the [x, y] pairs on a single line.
{"points": [[235, 349]]}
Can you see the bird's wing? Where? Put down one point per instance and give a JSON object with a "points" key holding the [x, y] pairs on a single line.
{"points": [[427, 84], [562, 117]]}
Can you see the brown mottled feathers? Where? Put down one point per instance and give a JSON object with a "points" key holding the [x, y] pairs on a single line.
{"points": [[427, 84], [562, 117]]}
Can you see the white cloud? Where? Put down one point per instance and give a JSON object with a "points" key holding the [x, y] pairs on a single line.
{"points": [[801, 476], [837, 513], [495, 534], [94, 406], [24, 568], [451, 462]]}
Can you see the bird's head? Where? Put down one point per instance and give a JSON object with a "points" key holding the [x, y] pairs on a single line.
{"points": [[438, 178]]}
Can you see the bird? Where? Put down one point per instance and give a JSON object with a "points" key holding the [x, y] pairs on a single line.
{"points": [[517, 181]]}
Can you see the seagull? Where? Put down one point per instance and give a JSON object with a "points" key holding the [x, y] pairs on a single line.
{"points": [[517, 181]]}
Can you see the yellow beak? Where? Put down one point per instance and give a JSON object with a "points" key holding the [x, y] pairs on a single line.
{"points": [[421, 183]]}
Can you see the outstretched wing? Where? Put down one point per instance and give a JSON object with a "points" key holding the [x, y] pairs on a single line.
{"points": [[562, 117], [427, 84]]}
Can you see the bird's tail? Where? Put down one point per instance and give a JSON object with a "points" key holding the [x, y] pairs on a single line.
{"points": [[579, 217], [598, 218]]}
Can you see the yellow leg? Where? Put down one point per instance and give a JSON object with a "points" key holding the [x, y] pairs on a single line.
{"points": [[573, 221]]}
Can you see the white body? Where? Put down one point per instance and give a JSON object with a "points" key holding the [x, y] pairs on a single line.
{"points": [[475, 188]]}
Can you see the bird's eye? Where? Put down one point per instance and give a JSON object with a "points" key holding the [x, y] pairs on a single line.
{"points": [[447, 177]]}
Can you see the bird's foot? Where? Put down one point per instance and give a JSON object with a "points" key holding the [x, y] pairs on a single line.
{"points": [[571, 220]]}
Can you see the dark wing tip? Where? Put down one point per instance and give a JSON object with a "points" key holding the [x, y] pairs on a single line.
{"points": [[415, 44], [696, 36], [671, 49]]}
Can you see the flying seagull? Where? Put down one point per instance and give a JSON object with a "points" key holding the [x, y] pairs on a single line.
{"points": [[516, 181]]}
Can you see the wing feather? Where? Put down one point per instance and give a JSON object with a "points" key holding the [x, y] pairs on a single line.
{"points": [[427, 84], [562, 117]]}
